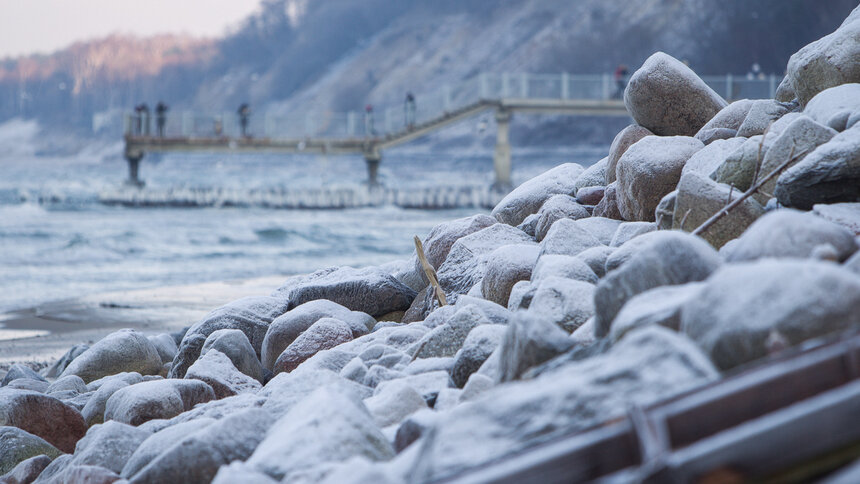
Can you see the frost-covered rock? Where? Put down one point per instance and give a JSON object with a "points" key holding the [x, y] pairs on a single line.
{"points": [[57, 368], [568, 238], [668, 98], [327, 426], [197, 457], [739, 167], [590, 195], [108, 445], [506, 266], [479, 344], [730, 117], [285, 390], [527, 198], [601, 227], [165, 345], [447, 339], [648, 171], [27, 470], [94, 410], [830, 174], [844, 214], [425, 365], [528, 342], [565, 302], [428, 385], [160, 441], [529, 224], [707, 160], [608, 205], [394, 403], [286, 328], [743, 306], [762, 113], [716, 134], [658, 306], [124, 350], [28, 384], [250, 315], [80, 473], [216, 370], [136, 404], [238, 471], [555, 208], [664, 214], [569, 267], [236, 346], [70, 383], [18, 371], [630, 230], [791, 233], [593, 176], [43, 416], [18, 445], [595, 258], [622, 141], [521, 295], [324, 334], [834, 107], [662, 258]]}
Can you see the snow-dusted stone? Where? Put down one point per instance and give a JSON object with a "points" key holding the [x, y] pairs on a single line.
{"points": [[378, 374], [26, 471], [477, 347], [71, 383], [447, 339], [124, 350], [762, 113], [475, 386], [236, 346], [608, 205], [830, 174], [158, 442], [794, 234], [569, 267], [94, 410], [527, 198], [416, 425], [28, 384], [165, 345], [505, 267], [661, 305], [42, 415], [784, 92], [149, 400], [428, 385], [521, 295], [649, 170], [707, 160], [250, 315], [730, 117], [739, 167], [383, 355], [528, 342], [57, 368], [286, 328], [564, 302], [662, 258], [827, 62], [601, 227], [716, 134], [593, 176], [699, 198], [215, 369], [746, 310], [324, 334], [426, 365], [568, 238], [622, 141], [664, 214], [238, 471], [285, 390], [327, 426], [108, 445], [197, 457], [590, 195], [355, 370], [555, 208], [646, 366], [529, 225], [844, 214], [18, 445], [833, 107], [853, 263], [84, 473], [669, 99], [370, 290], [18, 371], [630, 230], [595, 258], [394, 403]]}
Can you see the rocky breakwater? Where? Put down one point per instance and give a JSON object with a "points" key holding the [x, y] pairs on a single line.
{"points": [[584, 292]]}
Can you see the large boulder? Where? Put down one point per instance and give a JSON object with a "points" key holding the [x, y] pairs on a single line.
{"points": [[43, 416], [668, 98], [707, 160], [19, 371], [124, 350], [828, 62], [649, 170], [26, 471], [139, 403], [324, 334], [506, 266], [793, 234], [622, 141], [569, 267], [830, 174], [565, 302], [568, 238], [286, 328], [94, 410], [762, 114], [835, 106], [236, 346], [593, 176], [730, 117], [18, 445], [555, 208], [445, 340], [608, 205], [844, 214], [158, 442], [216, 370], [478, 346], [739, 168], [631, 230], [394, 403], [662, 258], [527, 198], [601, 227], [658, 306], [745, 311], [528, 341], [108, 445], [57, 368]]}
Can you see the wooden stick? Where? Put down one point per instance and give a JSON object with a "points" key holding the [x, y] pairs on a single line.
{"points": [[431, 273]]}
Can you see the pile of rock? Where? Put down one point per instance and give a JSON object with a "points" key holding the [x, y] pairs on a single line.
{"points": [[578, 297]]}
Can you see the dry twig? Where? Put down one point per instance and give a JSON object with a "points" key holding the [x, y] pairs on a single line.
{"points": [[431, 273]]}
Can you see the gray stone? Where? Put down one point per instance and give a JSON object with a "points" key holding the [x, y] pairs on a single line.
{"points": [[479, 344], [608, 205], [124, 350], [521, 295], [833, 107], [108, 445], [568, 238], [324, 334], [136, 404], [844, 214], [28, 384], [830, 174], [506, 266], [601, 227], [57, 368], [43, 416], [165, 345], [665, 211], [428, 385], [564, 302], [17, 371], [662, 258], [216, 370], [237, 471], [730, 117], [648, 171], [596, 258], [793, 234], [743, 308], [568, 267], [739, 167], [622, 141], [84, 473], [590, 195], [528, 342], [707, 160], [709, 136], [447, 339], [762, 113], [556, 208], [17, 445], [477, 385], [784, 92], [68, 383], [26, 471], [394, 403], [160, 441], [669, 99], [378, 374], [94, 410], [593, 176], [236, 346], [529, 225], [658, 306], [630, 230], [527, 198], [425, 365], [853, 263]]}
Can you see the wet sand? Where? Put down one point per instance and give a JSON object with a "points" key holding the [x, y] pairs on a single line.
{"points": [[40, 335]]}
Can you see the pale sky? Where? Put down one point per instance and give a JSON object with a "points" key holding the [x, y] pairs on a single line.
{"points": [[44, 26]]}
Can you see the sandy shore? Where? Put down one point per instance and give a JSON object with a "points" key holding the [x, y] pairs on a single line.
{"points": [[39, 335]]}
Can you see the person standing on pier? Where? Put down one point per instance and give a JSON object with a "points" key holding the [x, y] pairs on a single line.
{"points": [[409, 110], [244, 113], [144, 116], [620, 81], [161, 117]]}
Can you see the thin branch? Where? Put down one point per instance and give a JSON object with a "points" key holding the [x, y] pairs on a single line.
{"points": [[684, 219], [431, 273], [758, 158]]}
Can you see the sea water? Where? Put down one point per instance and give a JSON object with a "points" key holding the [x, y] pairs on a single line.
{"points": [[64, 232]]}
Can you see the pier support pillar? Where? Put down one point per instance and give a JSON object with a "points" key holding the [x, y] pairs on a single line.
{"points": [[502, 156], [372, 158], [133, 160]]}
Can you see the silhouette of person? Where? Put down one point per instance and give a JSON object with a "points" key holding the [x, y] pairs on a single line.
{"points": [[144, 115], [244, 113], [161, 117], [409, 110], [620, 81], [368, 120]]}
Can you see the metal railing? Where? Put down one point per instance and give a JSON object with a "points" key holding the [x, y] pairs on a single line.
{"points": [[391, 118]]}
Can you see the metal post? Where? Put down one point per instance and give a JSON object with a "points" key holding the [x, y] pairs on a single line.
{"points": [[502, 156], [133, 160], [525, 85], [729, 86], [373, 158], [565, 85]]}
